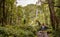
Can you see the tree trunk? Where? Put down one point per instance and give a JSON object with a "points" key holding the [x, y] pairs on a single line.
{"points": [[3, 19], [52, 13], [54, 19]]}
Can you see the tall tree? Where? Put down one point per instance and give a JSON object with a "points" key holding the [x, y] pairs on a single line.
{"points": [[54, 20], [4, 14], [6, 9]]}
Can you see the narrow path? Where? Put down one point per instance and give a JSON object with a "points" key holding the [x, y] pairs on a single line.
{"points": [[42, 34]]}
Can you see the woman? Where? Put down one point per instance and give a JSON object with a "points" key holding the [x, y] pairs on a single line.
{"points": [[43, 32]]}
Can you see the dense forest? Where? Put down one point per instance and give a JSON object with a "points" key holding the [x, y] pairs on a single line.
{"points": [[18, 21]]}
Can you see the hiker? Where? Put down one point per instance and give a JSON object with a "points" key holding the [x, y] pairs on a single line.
{"points": [[43, 27], [43, 32]]}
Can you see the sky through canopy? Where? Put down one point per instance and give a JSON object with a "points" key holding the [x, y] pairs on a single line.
{"points": [[26, 2]]}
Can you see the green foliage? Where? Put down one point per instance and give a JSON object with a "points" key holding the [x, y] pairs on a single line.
{"points": [[17, 31], [21, 21]]}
